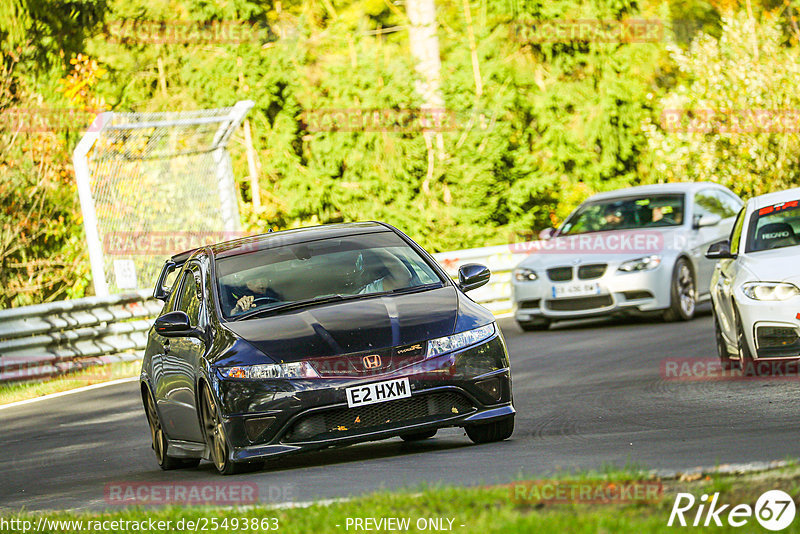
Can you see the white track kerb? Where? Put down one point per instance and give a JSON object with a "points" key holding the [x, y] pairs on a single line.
{"points": [[136, 175]]}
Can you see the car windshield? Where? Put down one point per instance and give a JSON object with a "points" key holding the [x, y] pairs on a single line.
{"points": [[329, 269], [625, 214], [776, 226]]}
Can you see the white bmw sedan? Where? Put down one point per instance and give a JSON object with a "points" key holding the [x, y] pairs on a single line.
{"points": [[639, 250], [755, 285]]}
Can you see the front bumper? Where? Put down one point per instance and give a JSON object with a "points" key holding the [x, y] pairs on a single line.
{"points": [[638, 292], [771, 329], [274, 417]]}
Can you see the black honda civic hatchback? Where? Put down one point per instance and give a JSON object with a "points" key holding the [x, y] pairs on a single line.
{"points": [[316, 337]]}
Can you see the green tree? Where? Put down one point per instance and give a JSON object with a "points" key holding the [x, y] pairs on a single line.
{"points": [[732, 118]]}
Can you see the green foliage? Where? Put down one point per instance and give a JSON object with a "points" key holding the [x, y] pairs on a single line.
{"points": [[41, 237], [53, 28], [42, 253], [536, 126], [742, 130]]}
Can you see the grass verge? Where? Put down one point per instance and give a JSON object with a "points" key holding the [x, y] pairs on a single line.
{"points": [[454, 509], [18, 391]]}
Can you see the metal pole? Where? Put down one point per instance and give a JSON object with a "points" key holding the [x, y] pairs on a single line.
{"points": [[82, 176]]}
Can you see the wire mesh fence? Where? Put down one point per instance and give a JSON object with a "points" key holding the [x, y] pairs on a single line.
{"points": [[152, 174]]}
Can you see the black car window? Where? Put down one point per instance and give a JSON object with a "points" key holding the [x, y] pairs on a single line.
{"points": [[344, 266], [626, 213], [189, 301], [716, 202]]}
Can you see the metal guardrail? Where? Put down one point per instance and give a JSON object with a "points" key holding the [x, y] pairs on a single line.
{"points": [[53, 338], [501, 260], [57, 337]]}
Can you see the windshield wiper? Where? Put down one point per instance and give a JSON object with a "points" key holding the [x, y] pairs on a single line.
{"points": [[294, 305], [414, 289]]}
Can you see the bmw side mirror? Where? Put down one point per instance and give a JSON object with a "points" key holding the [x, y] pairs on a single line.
{"points": [[547, 233], [721, 250], [472, 276], [174, 324], [709, 219]]}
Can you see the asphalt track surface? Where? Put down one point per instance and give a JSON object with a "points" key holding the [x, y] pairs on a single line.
{"points": [[587, 394]]}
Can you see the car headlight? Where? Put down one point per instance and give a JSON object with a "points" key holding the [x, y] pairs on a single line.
{"points": [[270, 370], [523, 274], [770, 290], [459, 341], [647, 263]]}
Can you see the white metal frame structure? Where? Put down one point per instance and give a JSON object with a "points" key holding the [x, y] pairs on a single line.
{"points": [[144, 177]]}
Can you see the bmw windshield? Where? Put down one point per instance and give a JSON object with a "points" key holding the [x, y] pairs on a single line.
{"points": [[626, 214], [287, 277]]}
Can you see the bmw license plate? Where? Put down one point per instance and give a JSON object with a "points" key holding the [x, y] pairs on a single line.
{"points": [[578, 289], [378, 392]]}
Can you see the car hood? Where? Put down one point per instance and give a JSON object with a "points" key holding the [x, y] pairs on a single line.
{"points": [[777, 265], [354, 326], [596, 247]]}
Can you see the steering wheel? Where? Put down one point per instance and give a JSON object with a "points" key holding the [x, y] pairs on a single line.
{"points": [[260, 301]]}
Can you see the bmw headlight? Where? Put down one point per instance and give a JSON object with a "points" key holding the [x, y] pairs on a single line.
{"points": [[270, 370], [523, 274], [460, 340], [770, 290], [647, 263]]}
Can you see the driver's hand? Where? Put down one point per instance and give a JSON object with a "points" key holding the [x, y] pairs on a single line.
{"points": [[245, 303]]}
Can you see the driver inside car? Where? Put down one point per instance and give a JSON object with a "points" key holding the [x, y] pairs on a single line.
{"points": [[254, 289], [389, 274]]}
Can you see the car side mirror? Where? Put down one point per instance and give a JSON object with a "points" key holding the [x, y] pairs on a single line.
{"points": [[174, 324], [547, 233], [721, 250], [472, 276], [708, 219]]}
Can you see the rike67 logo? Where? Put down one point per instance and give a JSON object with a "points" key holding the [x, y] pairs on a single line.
{"points": [[774, 510]]}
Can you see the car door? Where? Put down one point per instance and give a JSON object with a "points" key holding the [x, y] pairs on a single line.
{"points": [[710, 201], [724, 277], [182, 355]]}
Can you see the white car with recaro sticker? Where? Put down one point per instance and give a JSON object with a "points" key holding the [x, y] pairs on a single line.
{"points": [[756, 285]]}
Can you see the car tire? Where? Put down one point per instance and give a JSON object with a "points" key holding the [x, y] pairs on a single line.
{"points": [[535, 325], [214, 434], [490, 432], [159, 440], [419, 436], [722, 346], [747, 364], [683, 293]]}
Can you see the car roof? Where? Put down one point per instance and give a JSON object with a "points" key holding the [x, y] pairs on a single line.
{"points": [[774, 198], [284, 237], [652, 189]]}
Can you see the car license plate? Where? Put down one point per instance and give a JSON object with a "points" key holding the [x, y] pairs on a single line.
{"points": [[378, 392], [579, 289]]}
